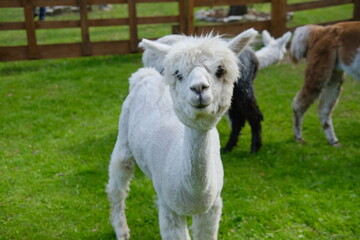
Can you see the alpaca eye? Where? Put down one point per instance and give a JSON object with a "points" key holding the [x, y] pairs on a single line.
{"points": [[178, 75], [220, 72]]}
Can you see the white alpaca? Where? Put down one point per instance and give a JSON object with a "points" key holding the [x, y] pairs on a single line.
{"points": [[167, 126], [274, 49]]}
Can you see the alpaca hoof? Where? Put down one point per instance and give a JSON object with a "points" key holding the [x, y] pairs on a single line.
{"points": [[124, 237], [254, 151], [225, 150], [300, 140], [255, 148], [336, 144], [228, 148]]}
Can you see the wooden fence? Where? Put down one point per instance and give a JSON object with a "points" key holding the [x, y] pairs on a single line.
{"points": [[183, 23]]}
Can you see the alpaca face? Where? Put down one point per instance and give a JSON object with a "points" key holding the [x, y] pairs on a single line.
{"points": [[201, 83], [200, 72]]}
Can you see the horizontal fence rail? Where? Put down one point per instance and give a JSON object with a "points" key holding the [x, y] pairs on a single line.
{"points": [[183, 22], [316, 4]]}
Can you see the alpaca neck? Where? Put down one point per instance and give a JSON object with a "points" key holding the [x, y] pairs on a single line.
{"points": [[197, 176], [199, 164], [267, 56]]}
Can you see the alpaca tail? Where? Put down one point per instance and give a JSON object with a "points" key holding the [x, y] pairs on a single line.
{"points": [[141, 74], [299, 43]]}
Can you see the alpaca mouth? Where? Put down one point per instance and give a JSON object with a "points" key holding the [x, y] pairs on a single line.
{"points": [[201, 106], [199, 102]]}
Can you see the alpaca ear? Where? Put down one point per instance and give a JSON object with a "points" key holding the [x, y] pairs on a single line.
{"points": [[239, 43], [157, 47], [266, 37], [285, 38]]}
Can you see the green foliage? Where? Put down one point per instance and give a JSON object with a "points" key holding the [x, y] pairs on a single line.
{"points": [[59, 124]]}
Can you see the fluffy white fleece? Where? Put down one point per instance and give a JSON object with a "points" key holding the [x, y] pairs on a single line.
{"points": [[167, 126]]}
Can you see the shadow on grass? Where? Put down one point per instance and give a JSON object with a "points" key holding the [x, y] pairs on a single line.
{"points": [[17, 68]]}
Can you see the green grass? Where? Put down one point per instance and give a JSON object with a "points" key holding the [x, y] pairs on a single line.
{"points": [[59, 124], [320, 15]]}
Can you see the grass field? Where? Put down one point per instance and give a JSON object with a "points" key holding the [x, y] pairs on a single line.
{"points": [[58, 125]]}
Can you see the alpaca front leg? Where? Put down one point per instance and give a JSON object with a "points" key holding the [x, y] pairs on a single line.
{"points": [[255, 117], [121, 170], [256, 140], [327, 102], [206, 226], [172, 226], [237, 122], [234, 135]]}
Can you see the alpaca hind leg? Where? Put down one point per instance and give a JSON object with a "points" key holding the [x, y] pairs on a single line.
{"points": [[328, 99], [321, 62], [121, 170], [302, 101], [205, 226], [172, 226]]}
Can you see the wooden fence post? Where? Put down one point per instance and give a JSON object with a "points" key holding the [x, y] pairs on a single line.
{"points": [[186, 15], [33, 50], [133, 26], [182, 17], [278, 17], [85, 37], [190, 16], [356, 10]]}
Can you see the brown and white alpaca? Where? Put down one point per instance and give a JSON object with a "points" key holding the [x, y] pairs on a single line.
{"points": [[329, 51]]}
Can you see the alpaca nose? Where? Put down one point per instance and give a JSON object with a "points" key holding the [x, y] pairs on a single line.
{"points": [[199, 80], [199, 87]]}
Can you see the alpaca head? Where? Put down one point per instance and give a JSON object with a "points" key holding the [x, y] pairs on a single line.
{"points": [[279, 44], [200, 72]]}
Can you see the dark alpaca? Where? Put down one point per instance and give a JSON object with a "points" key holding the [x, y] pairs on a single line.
{"points": [[244, 107]]}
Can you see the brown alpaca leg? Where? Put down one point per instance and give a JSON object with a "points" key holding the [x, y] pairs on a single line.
{"points": [[301, 103], [327, 102]]}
